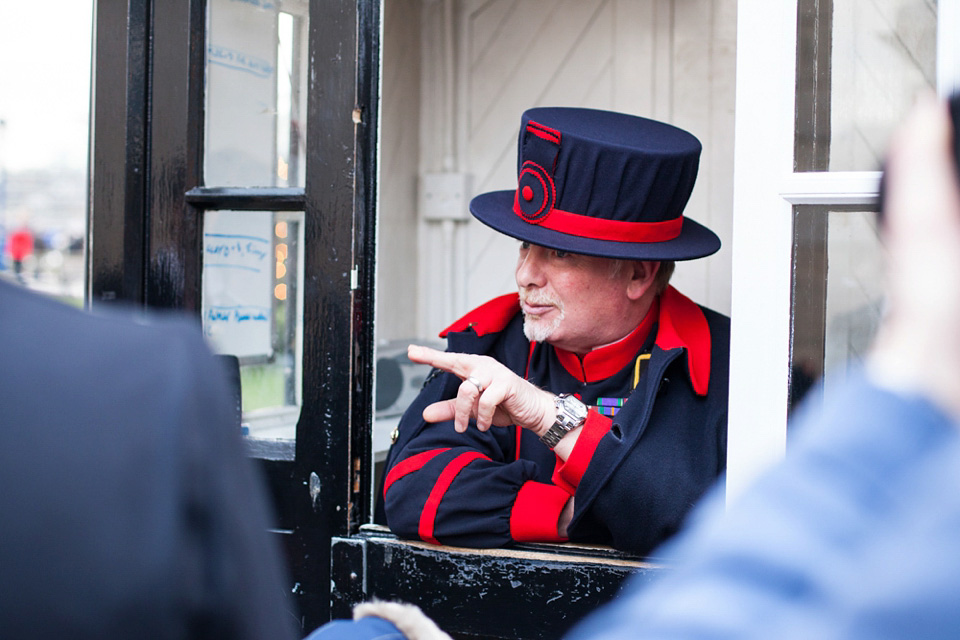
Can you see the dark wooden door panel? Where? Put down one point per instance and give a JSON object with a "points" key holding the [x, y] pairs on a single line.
{"points": [[530, 591]]}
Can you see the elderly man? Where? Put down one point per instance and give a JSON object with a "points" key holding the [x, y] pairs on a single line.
{"points": [[638, 430]]}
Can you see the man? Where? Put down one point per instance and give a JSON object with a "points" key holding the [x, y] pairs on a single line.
{"points": [[638, 431], [129, 509]]}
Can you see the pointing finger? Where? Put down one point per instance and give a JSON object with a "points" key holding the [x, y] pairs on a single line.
{"points": [[454, 363]]}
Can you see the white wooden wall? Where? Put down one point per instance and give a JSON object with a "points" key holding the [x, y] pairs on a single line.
{"points": [[397, 294], [482, 62]]}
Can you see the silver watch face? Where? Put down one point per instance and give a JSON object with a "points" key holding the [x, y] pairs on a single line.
{"points": [[571, 411]]}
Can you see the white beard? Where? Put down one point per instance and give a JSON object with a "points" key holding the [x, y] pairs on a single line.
{"points": [[537, 329]]}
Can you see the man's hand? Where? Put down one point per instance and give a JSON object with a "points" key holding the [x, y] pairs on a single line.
{"points": [[918, 344], [490, 392]]}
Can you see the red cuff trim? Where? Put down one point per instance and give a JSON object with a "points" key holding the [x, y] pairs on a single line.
{"points": [[558, 480], [428, 516], [570, 472], [536, 513], [683, 325], [409, 465]]}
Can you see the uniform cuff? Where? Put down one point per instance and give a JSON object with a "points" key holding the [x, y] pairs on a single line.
{"points": [[568, 473], [536, 513]]}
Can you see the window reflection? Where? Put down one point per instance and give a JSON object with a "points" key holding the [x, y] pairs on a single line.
{"points": [[854, 288], [44, 112], [860, 64], [255, 93], [837, 295], [252, 309]]}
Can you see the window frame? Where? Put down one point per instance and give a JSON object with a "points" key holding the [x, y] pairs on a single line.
{"points": [[766, 189], [145, 237]]}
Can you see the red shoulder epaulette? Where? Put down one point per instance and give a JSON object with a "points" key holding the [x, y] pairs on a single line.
{"points": [[489, 317]]}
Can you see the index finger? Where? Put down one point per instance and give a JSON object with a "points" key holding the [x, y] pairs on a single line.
{"points": [[455, 363]]}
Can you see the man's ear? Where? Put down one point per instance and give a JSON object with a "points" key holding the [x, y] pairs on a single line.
{"points": [[643, 274]]}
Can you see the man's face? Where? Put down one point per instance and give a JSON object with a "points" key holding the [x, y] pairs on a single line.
{"points": [[574, 302]]}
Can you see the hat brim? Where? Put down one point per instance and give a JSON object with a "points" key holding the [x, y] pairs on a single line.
{"points": [[495, 209]]}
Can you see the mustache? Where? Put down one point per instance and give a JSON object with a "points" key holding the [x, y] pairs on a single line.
{"points": [[539, 298]]}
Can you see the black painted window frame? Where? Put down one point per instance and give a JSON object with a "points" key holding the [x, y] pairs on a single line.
{"points": [[145, 215]]}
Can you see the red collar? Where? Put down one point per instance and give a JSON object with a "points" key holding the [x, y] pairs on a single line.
{"points": [[682, 325], [607, 360]]}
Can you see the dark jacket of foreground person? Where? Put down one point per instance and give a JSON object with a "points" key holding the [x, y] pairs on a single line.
{"points": [[129, 509]]}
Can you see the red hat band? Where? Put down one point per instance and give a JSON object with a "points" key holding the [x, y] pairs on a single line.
{"points": [[575, 224]]}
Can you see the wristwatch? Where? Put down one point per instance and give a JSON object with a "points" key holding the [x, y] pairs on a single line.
{"points": [[571, 413]]}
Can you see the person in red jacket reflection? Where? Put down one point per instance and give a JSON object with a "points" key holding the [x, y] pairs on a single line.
{"points": [[20, 247]]}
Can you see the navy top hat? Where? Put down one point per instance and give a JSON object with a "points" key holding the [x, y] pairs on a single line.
{"points": [[603, 184]]}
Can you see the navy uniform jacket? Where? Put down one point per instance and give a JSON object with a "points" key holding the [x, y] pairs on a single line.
{"points": [[634, 475], [128, 508]]}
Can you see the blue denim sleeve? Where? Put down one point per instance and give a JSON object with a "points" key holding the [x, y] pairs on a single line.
{"points": [[369, 628], [781, 560]]}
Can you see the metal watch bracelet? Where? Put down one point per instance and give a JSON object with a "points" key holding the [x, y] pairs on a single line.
{"points": [[571, 413]]}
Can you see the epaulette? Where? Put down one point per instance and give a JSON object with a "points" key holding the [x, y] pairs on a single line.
{"points": [[490, 317]]}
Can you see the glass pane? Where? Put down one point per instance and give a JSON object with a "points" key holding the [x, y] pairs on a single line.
{"points": [[253, 309], [854, 85], [837, 295], [256, 103], [854, 288], [44, 133]]}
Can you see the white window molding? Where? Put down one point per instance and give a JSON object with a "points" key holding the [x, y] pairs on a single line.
{"points": [[832, 188], [948, 47], [762, 239]]}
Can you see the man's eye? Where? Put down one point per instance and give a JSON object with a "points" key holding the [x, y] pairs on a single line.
{"points": [[524, 245], [561, 254]]}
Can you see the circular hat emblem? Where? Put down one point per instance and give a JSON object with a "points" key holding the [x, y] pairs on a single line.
{"points": [[536, 193]]}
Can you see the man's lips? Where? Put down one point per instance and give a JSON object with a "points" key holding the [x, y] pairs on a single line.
{"points": [[535, 309]]}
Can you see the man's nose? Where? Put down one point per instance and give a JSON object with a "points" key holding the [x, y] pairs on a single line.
{"points": [[530, 272]]}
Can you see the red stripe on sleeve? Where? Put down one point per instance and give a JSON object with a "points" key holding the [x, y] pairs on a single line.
{"points": [[428, 516], [411, 464]]}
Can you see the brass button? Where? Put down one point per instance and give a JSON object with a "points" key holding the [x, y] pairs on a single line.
{"points": [[394, 435]]}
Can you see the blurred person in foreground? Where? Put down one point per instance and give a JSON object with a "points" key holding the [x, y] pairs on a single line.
{"points": [[128, 509], [856, 533]]}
